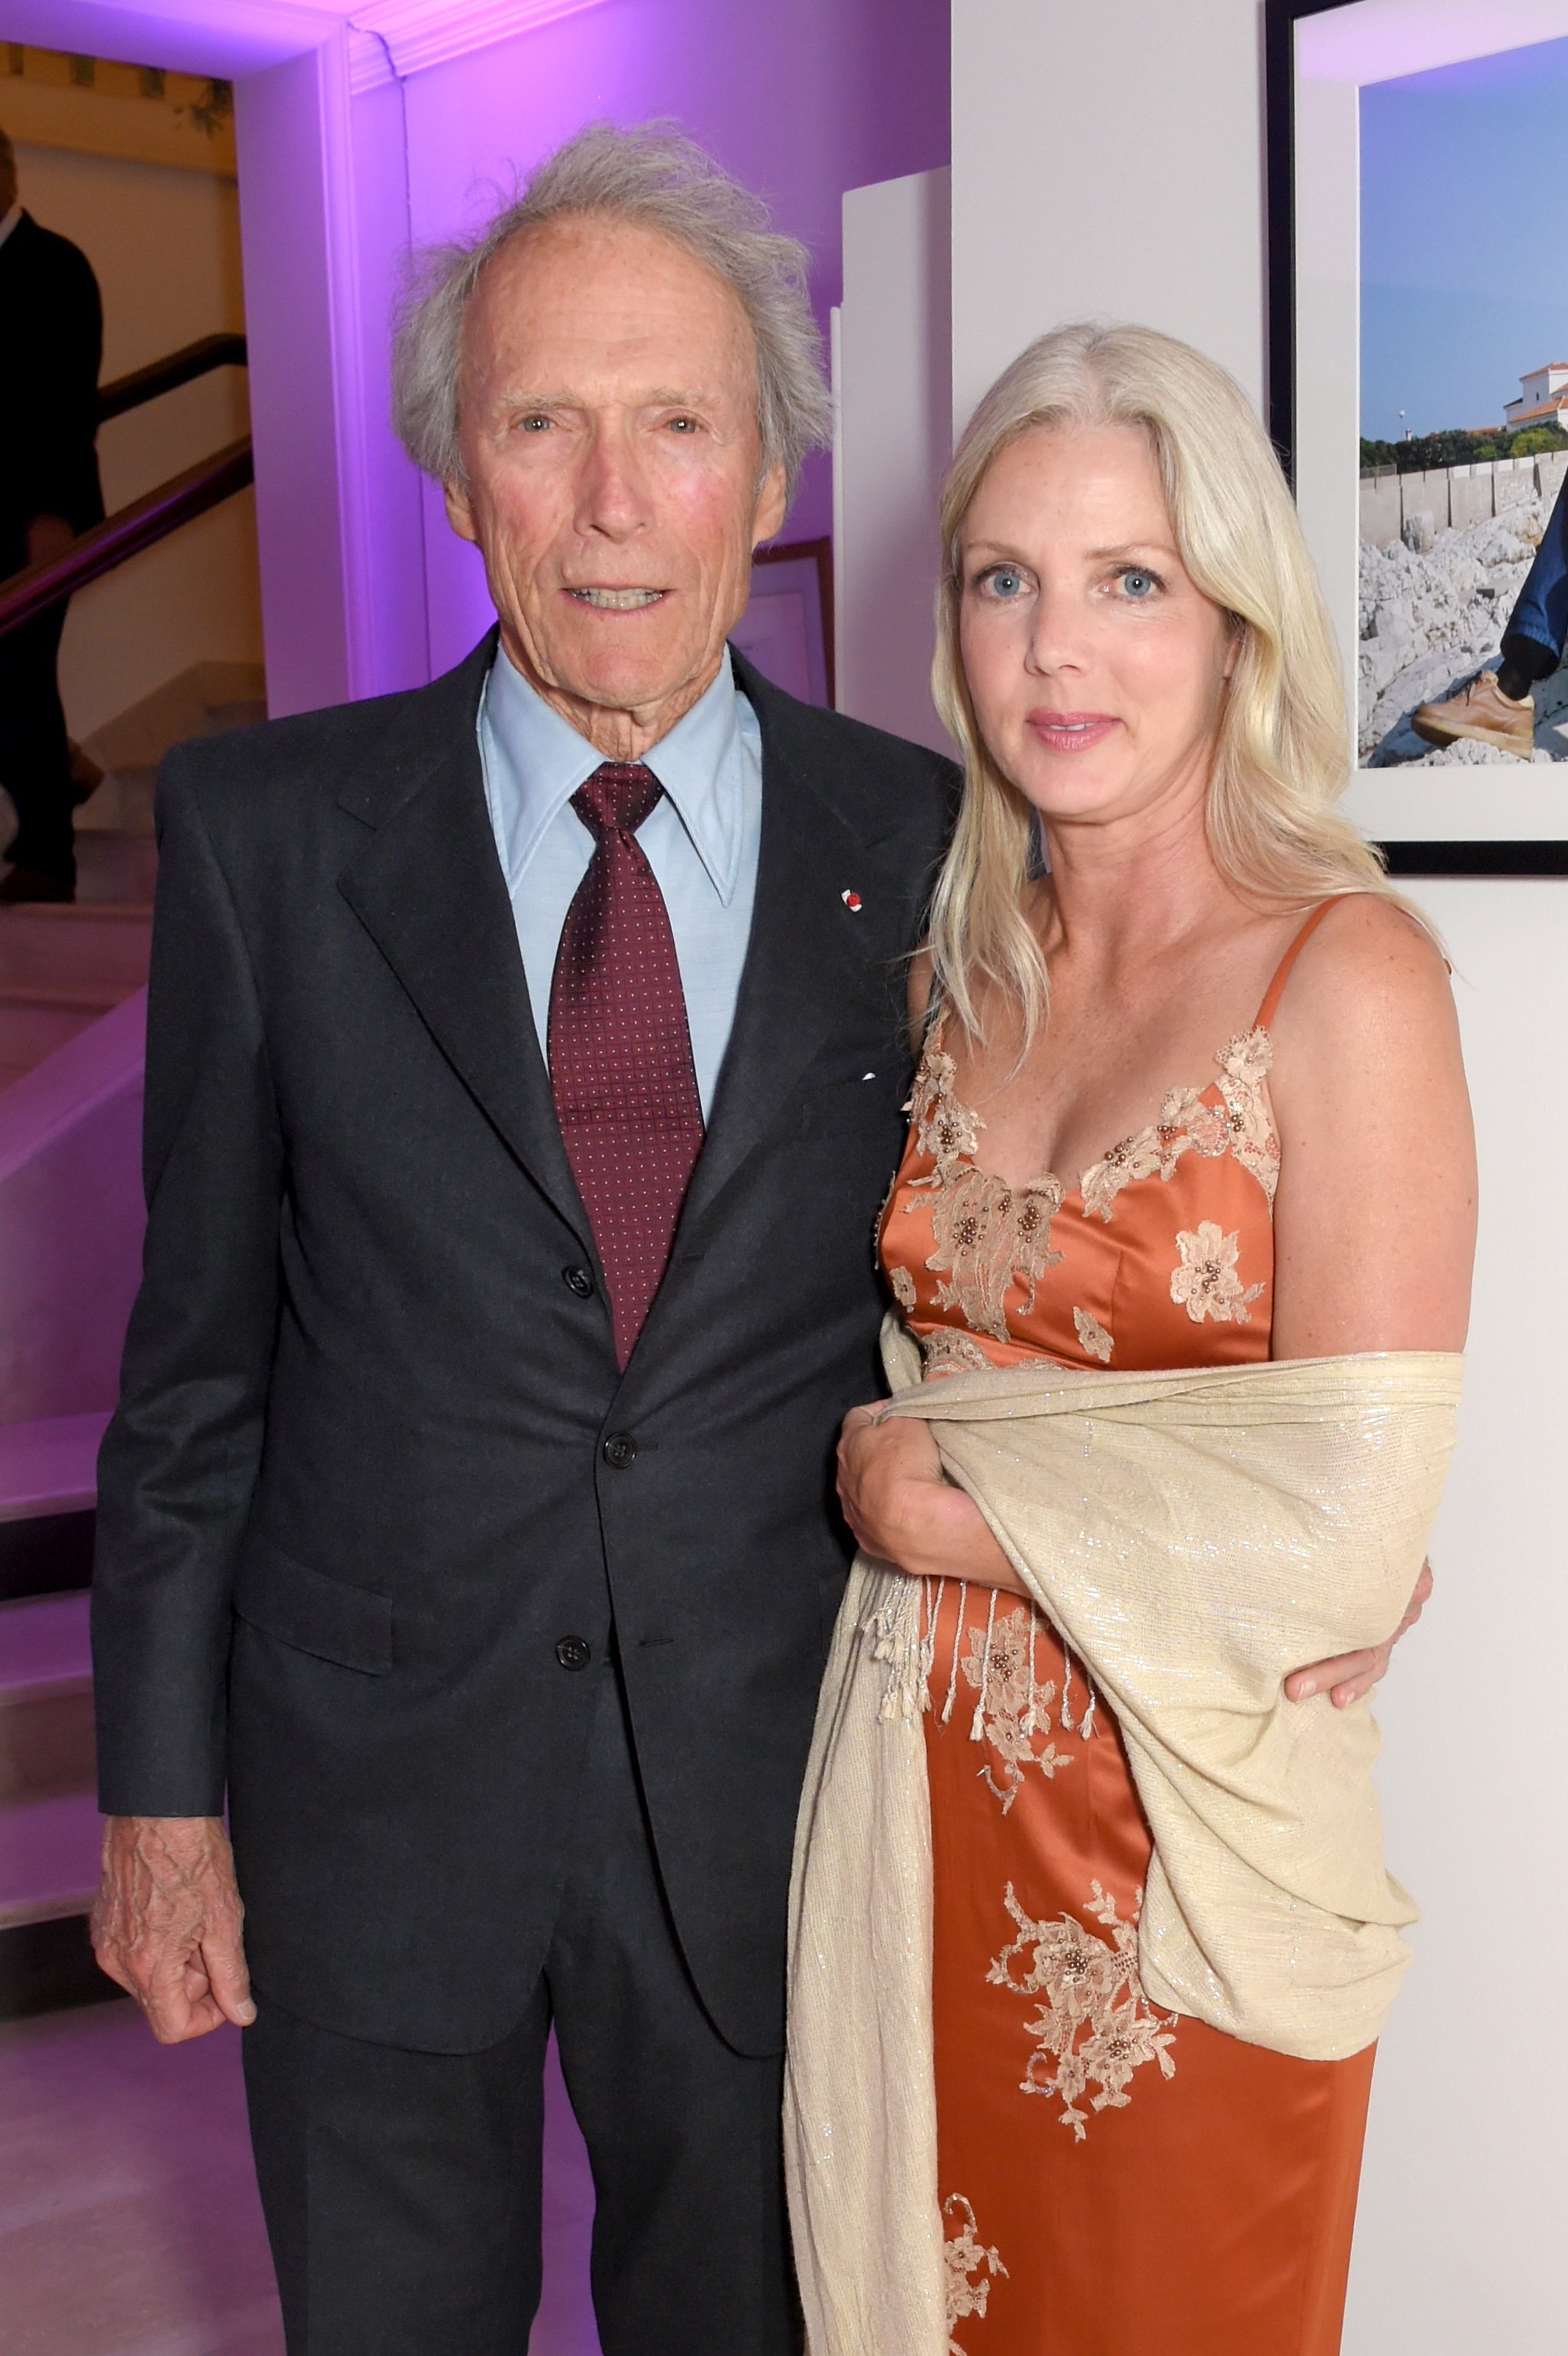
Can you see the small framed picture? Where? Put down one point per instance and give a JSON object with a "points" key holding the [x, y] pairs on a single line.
{"points": [[787, 628], [1418, 382]]}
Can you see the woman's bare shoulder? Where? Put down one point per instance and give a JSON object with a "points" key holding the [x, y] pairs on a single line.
{"points": [[1375, 1212], [1368, 971]]}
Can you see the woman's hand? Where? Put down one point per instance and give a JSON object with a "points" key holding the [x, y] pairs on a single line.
{"points": [[903, 1509], [1352, 1675]]}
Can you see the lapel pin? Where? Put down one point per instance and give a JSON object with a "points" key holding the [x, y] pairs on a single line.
{"points": [[852, 901]]}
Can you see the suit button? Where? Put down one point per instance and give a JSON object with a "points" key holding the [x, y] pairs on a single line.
{"points": [[620, 1450], [579, 1280], [574, 1652]]}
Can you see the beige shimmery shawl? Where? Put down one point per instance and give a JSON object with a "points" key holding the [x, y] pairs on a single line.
{"points": [[1195, 1534]]}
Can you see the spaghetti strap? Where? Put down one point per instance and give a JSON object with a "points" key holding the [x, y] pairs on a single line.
{"points": [[1276, 990]]}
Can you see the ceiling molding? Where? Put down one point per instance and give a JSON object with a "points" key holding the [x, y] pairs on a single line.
{"points": [[229, 37], [389, 40]]}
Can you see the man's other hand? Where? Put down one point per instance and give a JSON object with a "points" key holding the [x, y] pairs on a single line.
{"points": [[1349, 1677], [167, 1923]]}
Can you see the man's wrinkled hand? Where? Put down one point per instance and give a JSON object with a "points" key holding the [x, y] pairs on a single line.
{"points": [[1352, 1675], [167, 1923]]}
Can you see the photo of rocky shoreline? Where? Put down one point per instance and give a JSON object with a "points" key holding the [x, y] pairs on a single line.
{"points": [[1434, 605]]}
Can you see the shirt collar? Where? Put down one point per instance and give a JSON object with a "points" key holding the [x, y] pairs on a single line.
{"points": [[535, 761], [9, 221]]}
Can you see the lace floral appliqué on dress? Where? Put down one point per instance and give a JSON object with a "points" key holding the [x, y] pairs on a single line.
{"points": [[1244, 1067], [948, 1352], [1239, 1124], [1095, 2027], [970, 2266], [990, 1237], [1204, 1280], [1013, 1712], [1093, 1338]]}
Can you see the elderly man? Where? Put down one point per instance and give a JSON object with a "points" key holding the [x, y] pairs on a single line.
{"points": [[524, 1075], [525, 1071]]}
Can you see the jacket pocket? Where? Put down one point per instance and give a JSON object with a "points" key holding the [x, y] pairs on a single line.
{"points": [[286, 1598]]}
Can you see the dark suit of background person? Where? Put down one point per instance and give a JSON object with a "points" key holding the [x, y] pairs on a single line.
{"points": [[51, 331], [391, 1549]]}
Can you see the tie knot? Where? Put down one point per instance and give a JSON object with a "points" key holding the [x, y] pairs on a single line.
{"points": [[616, 799]]}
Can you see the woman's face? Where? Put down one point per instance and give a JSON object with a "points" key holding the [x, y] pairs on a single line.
{"points": [[1095, 667]]}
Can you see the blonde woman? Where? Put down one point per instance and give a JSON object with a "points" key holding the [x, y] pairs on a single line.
{"points": [[1190, 1096]]}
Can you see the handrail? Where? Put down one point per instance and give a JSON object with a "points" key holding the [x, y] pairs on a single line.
{"points": [[175, 367], [142, 524]]}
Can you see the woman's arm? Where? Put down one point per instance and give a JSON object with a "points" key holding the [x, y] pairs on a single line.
{"points": [[1375, 1219], [1375, 1216]]}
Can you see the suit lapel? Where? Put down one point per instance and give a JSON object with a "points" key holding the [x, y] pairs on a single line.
{"points": [[808, 952], [429, 890]]}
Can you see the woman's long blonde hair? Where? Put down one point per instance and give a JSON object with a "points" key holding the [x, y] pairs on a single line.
{"points": [[1282, 756]]}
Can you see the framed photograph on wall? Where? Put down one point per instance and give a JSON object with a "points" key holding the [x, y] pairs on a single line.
{"points": [[1418, 390], [787, 627]]}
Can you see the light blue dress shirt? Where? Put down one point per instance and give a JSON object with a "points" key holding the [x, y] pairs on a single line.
{"points": [[701, 839]]}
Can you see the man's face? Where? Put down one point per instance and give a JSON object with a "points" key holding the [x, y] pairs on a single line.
{"points": [[610, 443], [7, 183]]}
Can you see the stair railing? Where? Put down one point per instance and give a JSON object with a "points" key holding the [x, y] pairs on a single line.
{"points": [[158, 512], [175, 367]]}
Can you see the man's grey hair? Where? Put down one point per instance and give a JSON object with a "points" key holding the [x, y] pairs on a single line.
{"points": [[654, 175]]}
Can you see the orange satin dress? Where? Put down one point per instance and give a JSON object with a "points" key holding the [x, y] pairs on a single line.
{"points": [[1114, 2180]]}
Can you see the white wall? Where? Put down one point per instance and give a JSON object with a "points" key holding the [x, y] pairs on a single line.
{"points": [[1468, 2148], [1107, 160], [166, 246], [1106, 164]]}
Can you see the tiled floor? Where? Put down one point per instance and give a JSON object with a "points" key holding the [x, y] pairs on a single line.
{"points": [[128, 2224]]}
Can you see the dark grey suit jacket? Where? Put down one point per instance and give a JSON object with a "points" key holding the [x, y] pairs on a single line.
{"points": [[374, 1484]]}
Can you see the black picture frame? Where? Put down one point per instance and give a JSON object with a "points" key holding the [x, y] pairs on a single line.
{"points": [[1485, 856]]}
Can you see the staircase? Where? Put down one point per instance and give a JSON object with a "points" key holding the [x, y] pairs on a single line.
{"points": [[62, 968], [210, 699], [49, 1825], [71, 1023]]}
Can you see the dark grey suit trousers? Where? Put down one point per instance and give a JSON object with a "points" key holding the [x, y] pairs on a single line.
{"points": [[402, 2189]]}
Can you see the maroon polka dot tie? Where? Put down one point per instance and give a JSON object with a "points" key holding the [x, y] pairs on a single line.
{"points": [[620, 1052]]}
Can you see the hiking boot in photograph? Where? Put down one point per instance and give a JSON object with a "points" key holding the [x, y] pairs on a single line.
{"points": [[1482, 712]]}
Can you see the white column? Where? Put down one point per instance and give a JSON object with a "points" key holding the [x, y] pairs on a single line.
{"points": [[892, 348]]}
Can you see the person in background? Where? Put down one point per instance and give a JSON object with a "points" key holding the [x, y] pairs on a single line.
{"points": [[464, 1528], [51, 331], [1498, 707]]}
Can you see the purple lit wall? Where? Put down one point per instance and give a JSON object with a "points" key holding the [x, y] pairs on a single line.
{"points": [[801, 99], [364, 587]]}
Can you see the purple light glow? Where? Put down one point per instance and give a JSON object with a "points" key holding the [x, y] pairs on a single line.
{"points": [[801, 99], [365, 587], [227, 38]]}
